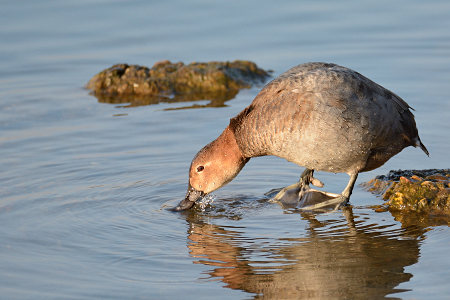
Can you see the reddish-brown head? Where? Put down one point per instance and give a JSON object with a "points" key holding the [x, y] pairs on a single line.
{"points": [[215, 165]]}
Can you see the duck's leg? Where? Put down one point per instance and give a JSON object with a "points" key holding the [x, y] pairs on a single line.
{"points": [[340, 200], [302, 185], [345, 195]]}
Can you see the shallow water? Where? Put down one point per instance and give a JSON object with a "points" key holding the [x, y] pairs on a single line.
{"points": [[84, 186]]}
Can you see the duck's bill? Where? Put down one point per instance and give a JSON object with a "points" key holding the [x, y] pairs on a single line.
{"points": [[192, 196]]}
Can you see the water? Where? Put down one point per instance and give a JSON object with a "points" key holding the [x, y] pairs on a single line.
{"points": [[84, 186]]}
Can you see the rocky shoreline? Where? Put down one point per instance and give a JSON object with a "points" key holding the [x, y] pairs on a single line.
{"points": [[422, 191]]}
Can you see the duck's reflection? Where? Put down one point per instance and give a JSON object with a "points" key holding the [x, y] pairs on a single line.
{"points": [[351, 261]]}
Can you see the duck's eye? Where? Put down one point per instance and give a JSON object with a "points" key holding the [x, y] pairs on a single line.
{"points": [[200, 168]]}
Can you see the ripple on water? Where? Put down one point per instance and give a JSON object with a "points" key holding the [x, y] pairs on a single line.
{"points": [[115, 228]]}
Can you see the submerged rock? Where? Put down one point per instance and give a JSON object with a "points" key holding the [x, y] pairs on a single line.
{"points": [[425, 191], [168, 81]]}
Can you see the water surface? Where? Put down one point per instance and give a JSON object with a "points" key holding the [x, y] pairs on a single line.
{"points": [[84, 185]]}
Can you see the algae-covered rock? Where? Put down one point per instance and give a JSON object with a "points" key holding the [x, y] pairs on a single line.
{"points": [[175, 81], [425, 191]]}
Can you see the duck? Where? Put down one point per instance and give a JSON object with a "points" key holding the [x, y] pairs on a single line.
{"points": [[320, 116]]}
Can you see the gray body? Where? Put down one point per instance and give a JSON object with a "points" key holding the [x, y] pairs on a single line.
{"points": [[320, 116], [326, 117]]}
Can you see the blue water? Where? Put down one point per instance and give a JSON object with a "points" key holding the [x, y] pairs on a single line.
{"points": [[84, 186]]}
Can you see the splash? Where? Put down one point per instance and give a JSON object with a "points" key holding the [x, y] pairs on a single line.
{"points": [[205, 201]]}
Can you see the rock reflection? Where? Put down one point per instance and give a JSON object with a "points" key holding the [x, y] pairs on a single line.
{"points": [[214, 99], [408, 219], [353, 261]]}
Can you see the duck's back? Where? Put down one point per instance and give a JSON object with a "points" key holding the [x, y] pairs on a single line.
{"points": [[325, 117]]}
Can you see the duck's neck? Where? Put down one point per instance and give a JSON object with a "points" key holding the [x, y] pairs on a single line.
{"points": [[230, 146]]}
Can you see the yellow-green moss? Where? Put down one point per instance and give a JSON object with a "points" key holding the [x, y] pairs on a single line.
{"points": [[171, 79], [414, 190]]}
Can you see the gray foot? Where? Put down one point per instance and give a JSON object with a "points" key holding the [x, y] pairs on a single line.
{"points": [[336, 202], [291, 189], [299, 188]]}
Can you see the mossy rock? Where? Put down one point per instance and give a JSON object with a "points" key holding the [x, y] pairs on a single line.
{"points": [[424, 191], [167, 80]]}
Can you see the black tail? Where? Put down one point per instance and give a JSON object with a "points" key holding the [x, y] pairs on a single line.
{"points": [[422, 146]]}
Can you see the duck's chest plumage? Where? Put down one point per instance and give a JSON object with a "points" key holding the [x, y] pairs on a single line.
{"points": [[325, 117]]}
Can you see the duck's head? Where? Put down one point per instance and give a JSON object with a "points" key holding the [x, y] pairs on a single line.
{"points": [[215, 165]]}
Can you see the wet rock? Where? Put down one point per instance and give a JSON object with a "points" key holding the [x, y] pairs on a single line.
{"points": [[424, 191], [171, 81]]}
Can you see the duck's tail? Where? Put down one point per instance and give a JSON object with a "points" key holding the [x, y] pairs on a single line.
{"points": [[422, 146]]}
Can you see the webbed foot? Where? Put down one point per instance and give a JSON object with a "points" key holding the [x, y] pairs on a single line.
{"points": [[337, 202], [299, 188]]}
